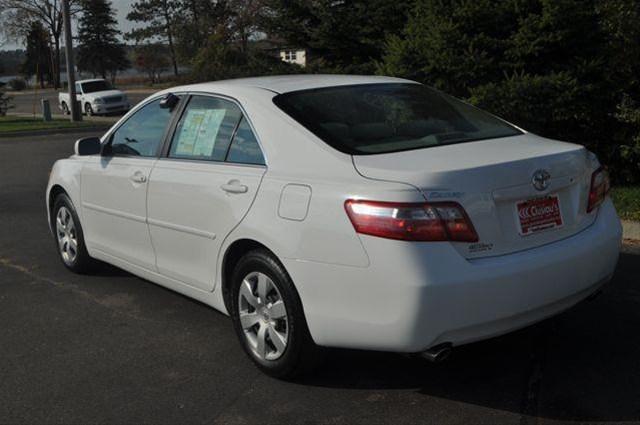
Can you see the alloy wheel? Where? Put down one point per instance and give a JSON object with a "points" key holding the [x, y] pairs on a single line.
{"points": [[66, 235], [263, 316]]}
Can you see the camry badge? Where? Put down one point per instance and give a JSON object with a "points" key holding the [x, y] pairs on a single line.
{"points": [[541, 179]]}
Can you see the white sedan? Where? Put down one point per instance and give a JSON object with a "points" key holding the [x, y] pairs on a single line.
{"points": [[339, 211]]}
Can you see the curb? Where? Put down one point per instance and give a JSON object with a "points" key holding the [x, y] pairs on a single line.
{"points": [[631, 229], [88, 129]]}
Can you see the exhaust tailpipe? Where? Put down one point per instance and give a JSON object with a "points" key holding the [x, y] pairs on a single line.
{"points": [[437, 353]]}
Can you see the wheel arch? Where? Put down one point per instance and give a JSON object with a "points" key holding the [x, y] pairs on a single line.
{"points": [[55, 191], [64, 179], [234, 252]]}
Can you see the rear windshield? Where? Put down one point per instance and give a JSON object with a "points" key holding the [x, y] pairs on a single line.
{"points": [[94, 86], [383, 118]]}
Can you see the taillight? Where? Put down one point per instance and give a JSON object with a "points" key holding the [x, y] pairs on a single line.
{"points": [[437, 221], [600, 186]]}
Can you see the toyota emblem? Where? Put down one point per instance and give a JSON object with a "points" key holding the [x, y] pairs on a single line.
{"points": [[541, 179]]}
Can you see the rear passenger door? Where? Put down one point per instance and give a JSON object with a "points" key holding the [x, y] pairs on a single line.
{"points": [[201, 188]]}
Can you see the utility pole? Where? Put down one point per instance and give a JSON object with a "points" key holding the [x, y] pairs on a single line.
{"points": [[71, 72]]}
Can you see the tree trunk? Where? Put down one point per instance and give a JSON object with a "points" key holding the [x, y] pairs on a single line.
{"points": [[51, 66], [244, 37], [56, 62], [172, 50]]}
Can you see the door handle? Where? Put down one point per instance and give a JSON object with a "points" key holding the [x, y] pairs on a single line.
{"points": [[138, 177], [234, 186]]}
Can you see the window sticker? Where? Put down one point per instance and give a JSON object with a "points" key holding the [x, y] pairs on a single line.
{"points": [[199, 132]]}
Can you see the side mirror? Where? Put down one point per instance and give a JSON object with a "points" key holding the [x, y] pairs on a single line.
{"points": [[88, 146], [169, 101]]}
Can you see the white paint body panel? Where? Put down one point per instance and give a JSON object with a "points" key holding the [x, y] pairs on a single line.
{"points": [[189, 215], [357, 291], [114, 208]]}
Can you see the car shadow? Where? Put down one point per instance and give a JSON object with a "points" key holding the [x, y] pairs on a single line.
{"points": [[583, 365], [107, 270]]}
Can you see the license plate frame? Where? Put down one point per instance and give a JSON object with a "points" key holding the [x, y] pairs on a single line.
{"points": [[540, 214]]}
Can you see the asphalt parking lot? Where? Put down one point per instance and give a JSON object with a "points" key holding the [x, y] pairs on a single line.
{"points": [[112, 348]]}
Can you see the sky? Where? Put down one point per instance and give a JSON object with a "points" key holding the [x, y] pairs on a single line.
{"points": [[120, 6]]}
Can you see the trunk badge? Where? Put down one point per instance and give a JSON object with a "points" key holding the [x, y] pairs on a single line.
{"points": [[541, 179]]}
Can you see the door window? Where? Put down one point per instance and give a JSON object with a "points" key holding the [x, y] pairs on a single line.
{"points": [[244, 147], [205, 129], [142, 133]]}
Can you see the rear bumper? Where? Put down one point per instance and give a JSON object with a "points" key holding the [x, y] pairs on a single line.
{"points": [[417, 295]]}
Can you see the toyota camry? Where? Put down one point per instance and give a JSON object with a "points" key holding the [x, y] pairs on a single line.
{"points": [[319, 211]]}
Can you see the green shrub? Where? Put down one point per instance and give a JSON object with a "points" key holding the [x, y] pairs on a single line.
{"points": [[218, 60], [563, 69]]}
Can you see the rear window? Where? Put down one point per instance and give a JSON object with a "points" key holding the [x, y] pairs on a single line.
{"points": [[383, 118]]}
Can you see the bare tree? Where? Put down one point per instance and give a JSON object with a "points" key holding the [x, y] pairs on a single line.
{"points": [[17, 14], [160, 18]]}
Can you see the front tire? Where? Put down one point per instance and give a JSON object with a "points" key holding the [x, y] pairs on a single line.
{"points": [[88, 109], [69, 236], [268, 317]]}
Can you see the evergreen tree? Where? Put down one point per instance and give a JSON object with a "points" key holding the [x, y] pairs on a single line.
{"points": [[38, 55], [199, 21], [343, 36], [99, 50], [547, 65]]}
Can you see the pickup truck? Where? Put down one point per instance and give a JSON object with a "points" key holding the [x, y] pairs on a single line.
{"points": [[96, 96]]}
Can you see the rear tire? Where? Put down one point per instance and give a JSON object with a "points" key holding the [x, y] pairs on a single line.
{"points": [[268, 317], [65, 108], [69, 236]]}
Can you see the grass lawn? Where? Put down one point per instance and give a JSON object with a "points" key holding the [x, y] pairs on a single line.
{"points": [[627, 201], [10, 124]]}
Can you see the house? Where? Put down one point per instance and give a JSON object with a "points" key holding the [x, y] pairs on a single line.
{"points": [[294, 55], [280, 49]]}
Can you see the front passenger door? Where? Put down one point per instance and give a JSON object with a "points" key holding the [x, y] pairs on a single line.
{"points": [[114, 188]]}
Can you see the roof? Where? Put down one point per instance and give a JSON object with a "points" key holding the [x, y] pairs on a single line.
{"points": [[288, 83]]}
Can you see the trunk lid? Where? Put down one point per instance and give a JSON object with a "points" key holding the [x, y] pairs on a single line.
{"points": [[489, 178]]}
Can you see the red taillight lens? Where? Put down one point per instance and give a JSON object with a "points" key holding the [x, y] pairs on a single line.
{"points": [[438, 221], [600, 186]]}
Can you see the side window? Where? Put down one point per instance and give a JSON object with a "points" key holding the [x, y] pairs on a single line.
{"points": [[244, 147], [78, 89], [205, 129], [142, 133]]}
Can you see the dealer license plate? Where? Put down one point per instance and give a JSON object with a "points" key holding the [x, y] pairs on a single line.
{"points": [[538, 214]]}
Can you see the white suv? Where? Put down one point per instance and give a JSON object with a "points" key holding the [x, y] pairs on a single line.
{"points": [[339, 211]]}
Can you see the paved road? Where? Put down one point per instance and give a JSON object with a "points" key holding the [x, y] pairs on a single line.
{"points": [[26, 101], [112, 348]]}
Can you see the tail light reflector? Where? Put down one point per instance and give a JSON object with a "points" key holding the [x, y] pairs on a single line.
{"points": [[437, 221], [600, 186]]}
